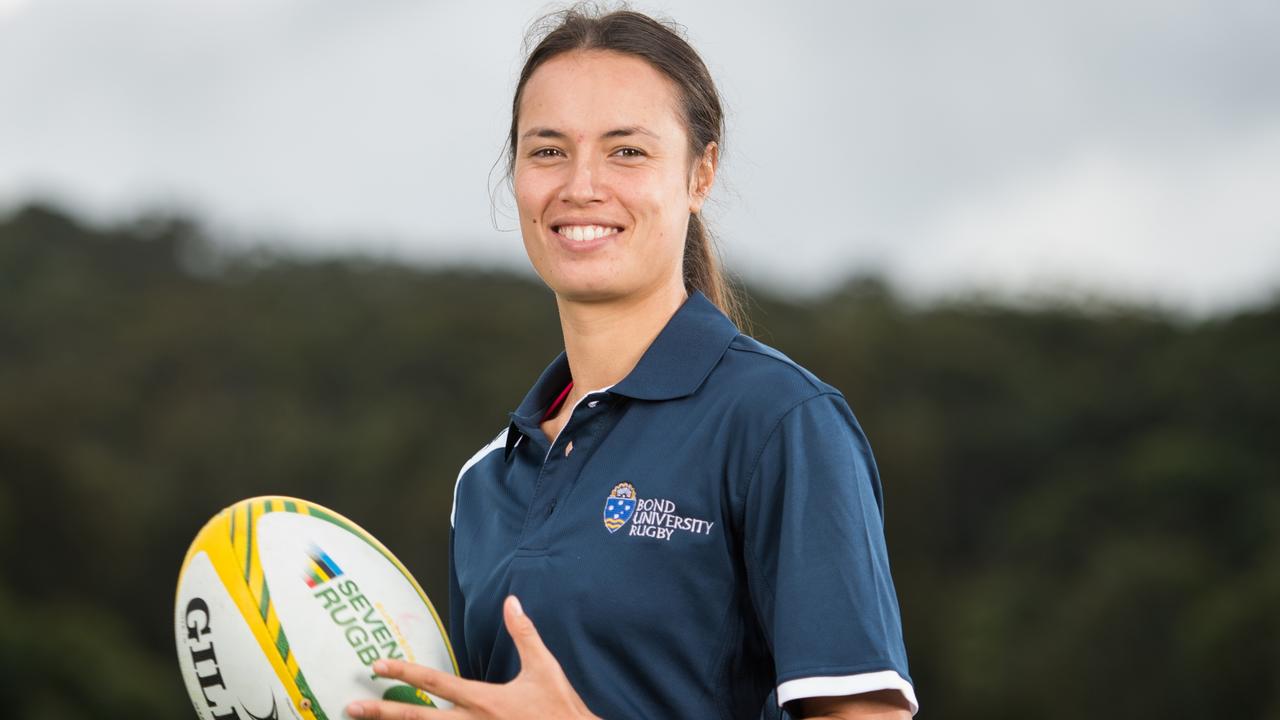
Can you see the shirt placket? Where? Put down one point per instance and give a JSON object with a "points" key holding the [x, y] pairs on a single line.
{"points": [[561, 468]]}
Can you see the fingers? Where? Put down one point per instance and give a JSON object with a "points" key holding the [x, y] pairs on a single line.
{"points": [[386, 710], [528, 643], [437, 682]]}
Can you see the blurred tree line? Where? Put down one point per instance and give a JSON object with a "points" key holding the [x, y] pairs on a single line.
{"points": [[1083, 505]]}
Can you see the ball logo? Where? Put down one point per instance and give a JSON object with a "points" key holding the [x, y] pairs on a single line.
{"points": [[619, 506], [203, 655], [363, 621], [321, 569]]}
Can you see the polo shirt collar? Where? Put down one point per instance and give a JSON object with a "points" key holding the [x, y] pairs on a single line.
{"points": [[675, 365]]}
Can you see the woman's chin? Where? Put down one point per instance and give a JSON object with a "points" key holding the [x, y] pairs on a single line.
{"points": [[588, 292]]}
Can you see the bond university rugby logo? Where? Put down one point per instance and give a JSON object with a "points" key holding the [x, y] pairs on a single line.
{"points": [[650, 517], [619, 506]]}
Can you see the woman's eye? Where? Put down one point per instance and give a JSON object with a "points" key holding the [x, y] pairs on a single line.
{"points": [[546, 152], [631, 152]]}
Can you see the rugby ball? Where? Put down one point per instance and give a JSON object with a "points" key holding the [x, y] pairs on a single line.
{"points": [[282, 608]]}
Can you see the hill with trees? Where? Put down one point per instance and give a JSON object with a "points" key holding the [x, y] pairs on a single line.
{"points": [[1082, 503]]}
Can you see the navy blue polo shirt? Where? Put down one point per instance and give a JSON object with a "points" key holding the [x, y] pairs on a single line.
{"points": [[705, 532]]}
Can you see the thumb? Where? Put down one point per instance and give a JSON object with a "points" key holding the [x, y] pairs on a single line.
{"points": [[532, 651]]}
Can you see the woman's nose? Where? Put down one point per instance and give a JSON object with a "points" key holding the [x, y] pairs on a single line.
{"points": [[582, 185]]}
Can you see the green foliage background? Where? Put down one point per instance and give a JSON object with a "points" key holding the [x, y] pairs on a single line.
{"points": [[1083, 504]]}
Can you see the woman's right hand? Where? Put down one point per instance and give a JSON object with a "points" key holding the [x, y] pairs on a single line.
{"points": [[541, 689]]}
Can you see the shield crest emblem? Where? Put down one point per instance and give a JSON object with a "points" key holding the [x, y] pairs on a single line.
{"points": [[619, 506]]}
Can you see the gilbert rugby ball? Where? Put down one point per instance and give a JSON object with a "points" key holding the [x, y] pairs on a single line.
{"points": [[283, 606]]}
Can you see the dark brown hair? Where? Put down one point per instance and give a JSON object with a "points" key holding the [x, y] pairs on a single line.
{"points": [[581, 27]]}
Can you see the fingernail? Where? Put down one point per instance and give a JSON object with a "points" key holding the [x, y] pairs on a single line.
{"points": [[380, 667], [515, 605], [355, 710]]}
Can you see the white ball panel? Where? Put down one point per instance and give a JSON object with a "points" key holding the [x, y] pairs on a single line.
{"points": [[339, 627], [222, 663]]}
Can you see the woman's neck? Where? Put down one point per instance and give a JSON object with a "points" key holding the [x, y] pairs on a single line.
{"points": [[604, 341]]}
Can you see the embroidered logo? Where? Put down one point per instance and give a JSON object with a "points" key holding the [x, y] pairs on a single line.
{"points": [[619, 506], [650, 517]]}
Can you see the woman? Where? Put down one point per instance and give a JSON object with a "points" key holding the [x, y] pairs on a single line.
{"points": [[693, 520]]}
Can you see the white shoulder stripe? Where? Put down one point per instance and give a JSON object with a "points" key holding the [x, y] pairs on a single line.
{"points": [[847, 685], [496, 444]]}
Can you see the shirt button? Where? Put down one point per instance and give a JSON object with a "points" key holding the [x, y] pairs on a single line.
{"points": [[593, 403], [568, 448]]}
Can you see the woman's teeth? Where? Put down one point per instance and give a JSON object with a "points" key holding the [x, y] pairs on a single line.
{"points": [[583, 233]]}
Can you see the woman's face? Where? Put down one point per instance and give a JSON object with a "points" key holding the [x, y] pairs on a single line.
{"points": [[602, 177]]}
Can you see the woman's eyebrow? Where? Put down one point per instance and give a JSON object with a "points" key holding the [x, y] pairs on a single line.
{"points": [[552, 133], [629, 130]]}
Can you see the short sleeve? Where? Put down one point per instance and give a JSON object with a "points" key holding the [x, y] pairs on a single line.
{"points": [[817, 565]]}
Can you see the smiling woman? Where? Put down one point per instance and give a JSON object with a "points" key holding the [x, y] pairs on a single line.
{"points": [[672, 100], [603, 180], [693, 520]]}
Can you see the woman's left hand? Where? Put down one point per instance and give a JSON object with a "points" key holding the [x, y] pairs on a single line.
{"points": [[541, 689]]}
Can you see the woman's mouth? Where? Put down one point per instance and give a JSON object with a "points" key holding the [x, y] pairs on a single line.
{"points": [[585, 233]]}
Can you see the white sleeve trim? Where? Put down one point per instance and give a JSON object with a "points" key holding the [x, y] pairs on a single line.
{"points": [[847, 685], [497, 443]]}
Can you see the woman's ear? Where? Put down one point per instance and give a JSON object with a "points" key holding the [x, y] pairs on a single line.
{"points": [[703, 177]]}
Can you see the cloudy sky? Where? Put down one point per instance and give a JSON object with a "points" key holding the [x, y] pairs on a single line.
{"points": [[1130, 149]]}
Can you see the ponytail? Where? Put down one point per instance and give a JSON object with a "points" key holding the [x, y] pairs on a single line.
{"points": [[703, 272]]}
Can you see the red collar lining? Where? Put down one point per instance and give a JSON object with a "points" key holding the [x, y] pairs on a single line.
{"points": [[558, 402]]}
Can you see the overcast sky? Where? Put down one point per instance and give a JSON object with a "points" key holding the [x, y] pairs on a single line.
{"points": [[1124, 148]]}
